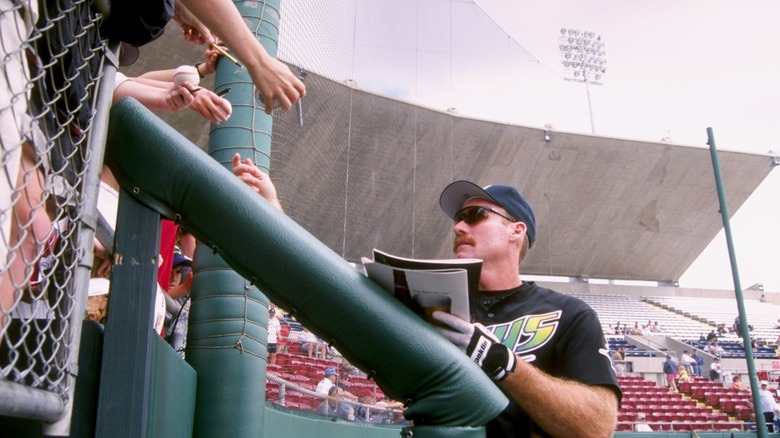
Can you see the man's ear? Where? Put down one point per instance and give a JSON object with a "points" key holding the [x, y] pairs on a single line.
{"points": [[518, 231]]}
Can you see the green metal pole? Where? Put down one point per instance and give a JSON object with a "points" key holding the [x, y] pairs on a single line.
{"points": [[228, 321], [724, 211]]}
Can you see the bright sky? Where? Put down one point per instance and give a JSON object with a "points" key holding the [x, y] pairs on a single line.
{"points": [[675, 67]]}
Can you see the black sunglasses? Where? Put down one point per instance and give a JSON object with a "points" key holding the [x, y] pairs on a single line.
{"points": [[476, 213]]}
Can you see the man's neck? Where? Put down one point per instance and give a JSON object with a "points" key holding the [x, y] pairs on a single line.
{"points": [[498, 279]]}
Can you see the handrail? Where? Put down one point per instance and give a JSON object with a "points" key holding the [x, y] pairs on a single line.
{"points": [[283, 384]]}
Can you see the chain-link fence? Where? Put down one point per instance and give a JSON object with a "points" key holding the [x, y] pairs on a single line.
{"points": [[50, 71]]}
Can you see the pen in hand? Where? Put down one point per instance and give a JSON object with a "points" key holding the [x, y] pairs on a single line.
{"points": [[226, 54]]}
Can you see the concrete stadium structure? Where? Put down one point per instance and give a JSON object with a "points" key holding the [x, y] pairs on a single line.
{"points": [[364, 171]]}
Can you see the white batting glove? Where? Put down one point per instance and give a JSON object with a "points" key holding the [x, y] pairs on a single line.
{"points": [[495, 359]]}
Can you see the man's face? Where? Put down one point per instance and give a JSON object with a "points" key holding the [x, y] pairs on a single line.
{"points": [[487, 239]]}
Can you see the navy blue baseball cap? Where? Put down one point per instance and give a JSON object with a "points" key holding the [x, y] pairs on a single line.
{"points": [[457, 193], [180, 259]]}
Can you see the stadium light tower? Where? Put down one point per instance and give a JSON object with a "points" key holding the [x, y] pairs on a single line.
{"points": [[583, 57]]}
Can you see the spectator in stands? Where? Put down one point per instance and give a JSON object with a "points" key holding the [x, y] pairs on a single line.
{"points": [[636, 330], [641, 423], [687, 361], [711, 336], [736, 383], [332, 377], [698, 368], [738, 327], [311, 344], [715, 370], [670, 370], [362, 413], [179, 290], [328, 407], [391, 417], [328, 380], [273, 335], [618, 360], [715, 349], [186, 242], [767, 405], [331, 407], [565, 371], [682, 375], [180, 262], [776, 421]]}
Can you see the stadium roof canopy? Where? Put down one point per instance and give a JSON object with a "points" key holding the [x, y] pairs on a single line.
{"points": [[364, 171]]}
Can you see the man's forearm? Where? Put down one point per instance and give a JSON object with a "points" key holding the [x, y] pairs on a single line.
{"points": [[222, 18], [562, 408]]}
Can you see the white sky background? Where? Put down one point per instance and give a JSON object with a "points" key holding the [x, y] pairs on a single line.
{"points": [[675, 67]]}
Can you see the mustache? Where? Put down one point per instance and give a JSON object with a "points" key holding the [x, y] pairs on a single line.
{"points": [[462, 240]]}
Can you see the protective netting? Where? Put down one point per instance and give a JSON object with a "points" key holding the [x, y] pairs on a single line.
{"points": [[49, 73], [387, 83]]}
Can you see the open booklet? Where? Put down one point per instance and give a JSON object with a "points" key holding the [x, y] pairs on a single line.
{"points": [[427, 285]]}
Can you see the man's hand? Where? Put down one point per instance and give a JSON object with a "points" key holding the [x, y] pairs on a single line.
{"points": [[194, 30], [212, 107], [256, 179], [495, 359]]}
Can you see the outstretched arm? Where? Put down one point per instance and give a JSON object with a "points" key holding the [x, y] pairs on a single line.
{"points": [[271, 77], [255, 178], [157, 97]]}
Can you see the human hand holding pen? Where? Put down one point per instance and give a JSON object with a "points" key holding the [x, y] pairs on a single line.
{"points": [[213, 107], [272, 78], [225, 53]]}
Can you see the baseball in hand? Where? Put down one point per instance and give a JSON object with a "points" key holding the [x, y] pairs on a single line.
{"points": [[186, 73]]}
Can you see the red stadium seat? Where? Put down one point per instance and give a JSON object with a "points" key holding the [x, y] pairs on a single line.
{"points": [[743, 412], [712, 399]]}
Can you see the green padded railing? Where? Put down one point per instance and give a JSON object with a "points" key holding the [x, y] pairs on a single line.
{"points": [[407, 358]]}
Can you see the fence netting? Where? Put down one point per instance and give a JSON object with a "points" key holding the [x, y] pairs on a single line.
{"points": [[50, 70]]}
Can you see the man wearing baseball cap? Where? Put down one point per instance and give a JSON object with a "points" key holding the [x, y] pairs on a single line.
{"points": [[544, 349], [767, 404]]}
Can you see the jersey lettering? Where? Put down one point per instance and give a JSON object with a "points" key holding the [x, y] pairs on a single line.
{"points": [[529, 332]]}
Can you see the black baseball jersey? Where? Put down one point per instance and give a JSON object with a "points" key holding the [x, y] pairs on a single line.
{"points": [[557, 333]]}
